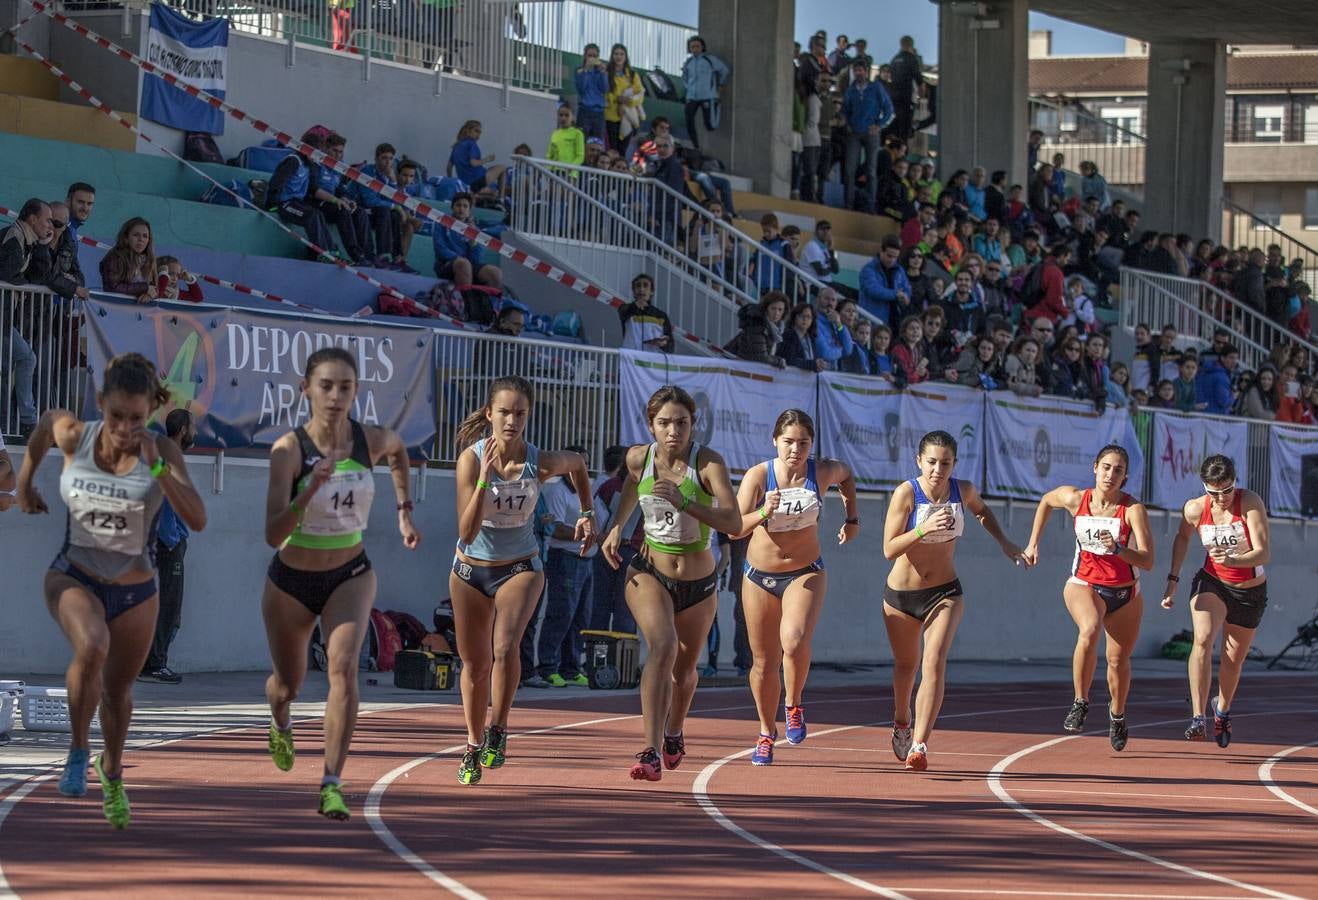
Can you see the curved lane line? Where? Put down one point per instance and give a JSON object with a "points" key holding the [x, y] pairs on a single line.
{"points": [[1265, 776]]}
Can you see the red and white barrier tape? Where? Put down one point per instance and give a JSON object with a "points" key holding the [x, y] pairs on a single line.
{"points": [[242, 201], [467, 230]]}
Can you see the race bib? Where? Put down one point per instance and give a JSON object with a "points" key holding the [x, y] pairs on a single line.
{"points": [[510, 504], [665, 525], [113, 524], [1088, 528], [711, 246], [1230, 538], [341, 506], [924, 510], [798, 508]]}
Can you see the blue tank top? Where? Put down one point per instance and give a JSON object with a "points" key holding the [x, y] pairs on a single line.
{"points": [[507, 514], [924, 507]]}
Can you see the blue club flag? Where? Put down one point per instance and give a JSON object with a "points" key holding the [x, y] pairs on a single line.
{"points": [[196, 53]]}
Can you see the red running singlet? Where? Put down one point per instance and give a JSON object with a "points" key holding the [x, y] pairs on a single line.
{"points": [[1232, 537], [1092, 563]]}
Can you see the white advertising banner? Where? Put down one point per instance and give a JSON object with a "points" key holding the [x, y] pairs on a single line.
{"points": [[860, 424], [1033, 445], [1293, 491], [737, 403], [952, 408], [1178, 445]]}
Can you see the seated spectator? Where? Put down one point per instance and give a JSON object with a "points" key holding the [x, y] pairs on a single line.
{"points": [[1026, 377], [892, 198], [645, 326], [1139, 252], [993, 290], [832, 339], [65, 277], [995, 197], [1164, 397], [294, 186], [913, 228], [885, 291], [861, 361], [1066, 375], [961, 308], [1297, 402], [1093, 184], [175, 282], [352, 221], [766, 272], [385, 222], [130, 266], [1051, 301], [757, 341], [1041, 198], [819, 258], [939, 344], [1184, 392], [1261, 400], [467, 163], [1019, 217], [457, 257], [938, 265], [880, 358], [1118, 385], [988, 243], [1166, 257], [1081, 308], [1213, 392], [798, 346], [911, 357], [407, 223], [976, 194], [978, 366]]}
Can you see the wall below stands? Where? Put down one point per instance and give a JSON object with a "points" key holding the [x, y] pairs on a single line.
{"points": [[1010, 613]]}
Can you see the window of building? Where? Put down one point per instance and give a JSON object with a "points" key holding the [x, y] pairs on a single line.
{"points": [[1268, 123], [1267, 206], [1125, 121], [1311, 207], [1311, 124]]}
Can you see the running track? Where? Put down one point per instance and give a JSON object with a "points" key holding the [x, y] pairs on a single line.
{"points": [[1010, 807]]}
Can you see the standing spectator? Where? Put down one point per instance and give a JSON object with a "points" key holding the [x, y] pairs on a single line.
{"points": [[839, 59], [811, 140], [592, 87], [171, 548], [473, 169], [1249, 285], [624, 105], [993, 290], [1051, 302], [832, 338], [1041, 197], [353, 222], [766, 271], [294, 185], [976, 194], [567, 143], [819, 258], [1262, 399], [1081, 313], [995, 197], [644, 326], [65, 277], [130, 267], [458, 257], [709, 241], [670, 171], [910, 357], [175, 282], [704, 75], [1093, 184], [913, 229], [1213, 388], [830, 130], [609, 611], [867, 110], [24, 258], [907, 80], [885, 291], [1032, 146], [568, 585]]}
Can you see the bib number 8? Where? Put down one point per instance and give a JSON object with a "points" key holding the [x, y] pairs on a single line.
{"points": [[670, 517]]}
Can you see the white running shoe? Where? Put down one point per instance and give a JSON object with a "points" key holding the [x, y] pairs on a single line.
{"points": [[902, 735]]}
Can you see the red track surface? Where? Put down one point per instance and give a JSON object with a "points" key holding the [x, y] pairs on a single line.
{"points": [[212, 816]]}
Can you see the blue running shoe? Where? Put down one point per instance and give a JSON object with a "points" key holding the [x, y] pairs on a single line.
{"points": [[1221, 726], [762, 755], [795, 724], [73, 783]]}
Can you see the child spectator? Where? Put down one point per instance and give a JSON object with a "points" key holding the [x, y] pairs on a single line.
{"points": [[710, 243], [910, 356], [458, 258], [409, 180], [1298, 310], [1183, 387], [175, 282], [567, 144], [1164, 397], [1082, 308], [1297, 402], [130, 267], [466, 162], [384, 222], [624, 105], [592, 87], [765, 271], [880, 358], [645, 327], [703, 75]]}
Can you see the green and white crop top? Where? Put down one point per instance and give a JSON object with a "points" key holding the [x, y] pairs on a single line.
{"points": [[667, 529], [336, 515]]}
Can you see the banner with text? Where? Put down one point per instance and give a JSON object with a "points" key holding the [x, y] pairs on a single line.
{"points": [[240, 371], [860, 423], [196, 53], [1177, 447], [736, 403], [1293, 491], [1033, 445]]}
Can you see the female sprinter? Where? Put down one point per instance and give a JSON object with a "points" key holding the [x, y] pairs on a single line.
{"points": [[101, 588], [1229, 592], [497, 574], [685, 497], [316, 508], [923, 597], [1103, 592], [784, 584]]}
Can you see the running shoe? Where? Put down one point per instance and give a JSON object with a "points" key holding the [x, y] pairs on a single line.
{"points": [[674, 750], [495, 747], [331, 803], [1117, 733], [114, 800], [578, 680], [918, 759], [281, 747], [1075, 719], [1221, 726], [469, 771], [796, 729], [1196, 731], [902, 737], [648, 766], [556, 680], [762, 755], [73, 783]]}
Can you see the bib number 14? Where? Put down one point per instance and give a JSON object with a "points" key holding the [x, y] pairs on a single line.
{"points": [[344, 500]]}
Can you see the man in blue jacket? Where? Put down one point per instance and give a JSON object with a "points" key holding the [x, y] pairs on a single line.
{"points": [[458, 258], [703, 75], [866, 109], [592, 86], [171, 547], [832, 339], [885, 291], [1213, 385]]}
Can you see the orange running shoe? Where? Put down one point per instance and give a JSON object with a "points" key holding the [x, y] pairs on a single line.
{"points": [[918, 759]]}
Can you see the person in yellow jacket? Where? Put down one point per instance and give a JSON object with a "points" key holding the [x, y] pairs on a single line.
{"points": [[567, 144], [624, 106]]}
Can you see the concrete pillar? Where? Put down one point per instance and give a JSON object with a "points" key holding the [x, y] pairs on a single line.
{"points": [[754, 138], [983, 86], [1186, 124]]}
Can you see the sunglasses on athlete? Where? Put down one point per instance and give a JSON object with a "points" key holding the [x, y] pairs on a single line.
{"points": [[1225, 492]]}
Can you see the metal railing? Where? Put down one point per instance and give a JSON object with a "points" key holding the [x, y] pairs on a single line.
{"points": [[42, 364], [651, 43], [1080, 135], [1242, 228], [488, 40]]}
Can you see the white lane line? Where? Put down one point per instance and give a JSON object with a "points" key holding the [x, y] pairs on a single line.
{"points": [[700, 790], [1021, 790], [981, 892], [1265, 776], [994, 779]]}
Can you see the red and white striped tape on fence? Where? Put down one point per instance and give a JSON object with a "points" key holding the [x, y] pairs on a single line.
{"points": [[469, 231]]}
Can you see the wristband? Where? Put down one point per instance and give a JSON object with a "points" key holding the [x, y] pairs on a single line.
{"points": [[1171, 577], [406, 505], [919, 532], [482, 485], [586, 514], [159, 467], [855, 521], [763, 515]]}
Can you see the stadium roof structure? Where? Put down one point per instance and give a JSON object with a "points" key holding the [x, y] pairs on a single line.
{"points": [[1116, 75], [1233, 21]]}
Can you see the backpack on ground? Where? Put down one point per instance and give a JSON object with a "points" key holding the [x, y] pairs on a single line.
{"points": [[217, 195], [198, 146], [659, 85], [479, 304], [386, 641], [410, 629], [568, 324]]}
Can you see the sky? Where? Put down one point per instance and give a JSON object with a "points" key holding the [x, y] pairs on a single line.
{"points": [[860, 18]]}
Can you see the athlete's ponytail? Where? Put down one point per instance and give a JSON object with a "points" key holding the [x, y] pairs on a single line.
{"points": [[135, 375], [473, 427]]}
